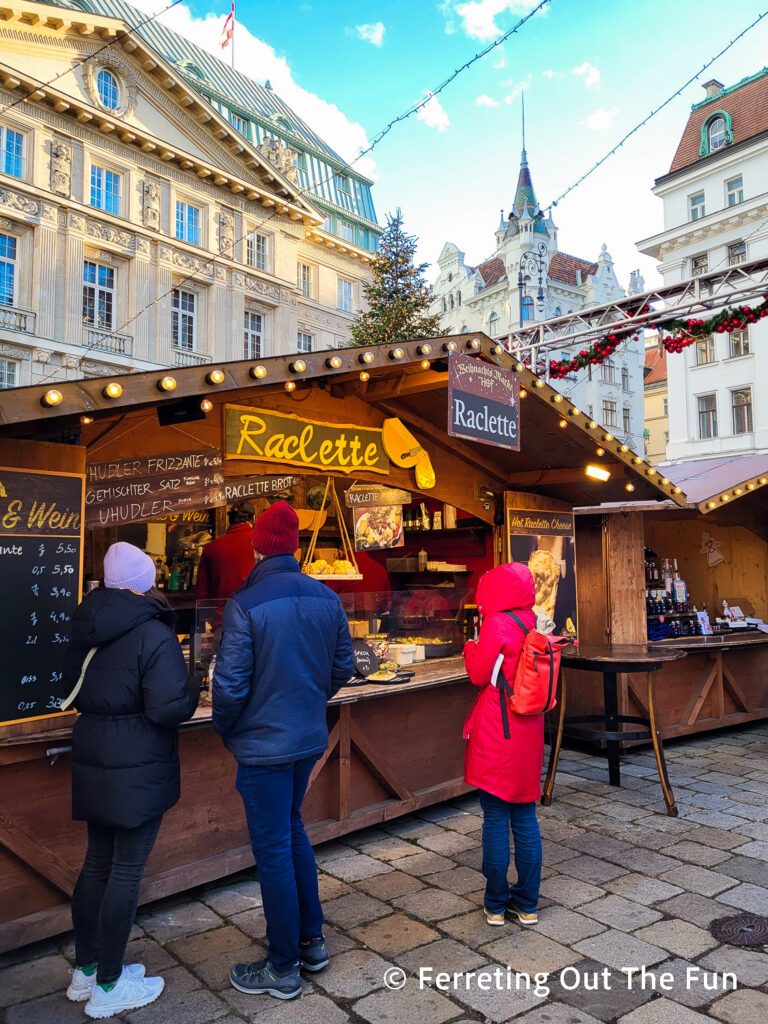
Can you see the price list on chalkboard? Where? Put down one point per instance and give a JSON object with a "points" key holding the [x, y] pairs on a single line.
{"points": [[41, 522]]}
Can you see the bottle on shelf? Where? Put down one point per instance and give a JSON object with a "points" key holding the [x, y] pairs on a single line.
{"points": [[422, 560]]}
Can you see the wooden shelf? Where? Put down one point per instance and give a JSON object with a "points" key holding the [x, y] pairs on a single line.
{"points": [[478, 528]]}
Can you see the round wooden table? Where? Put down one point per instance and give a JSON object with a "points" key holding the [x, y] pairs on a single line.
{"points": [[611, 661]]}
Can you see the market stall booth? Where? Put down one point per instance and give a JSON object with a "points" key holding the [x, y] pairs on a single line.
{"points": [[413, 468], [693, 577]]}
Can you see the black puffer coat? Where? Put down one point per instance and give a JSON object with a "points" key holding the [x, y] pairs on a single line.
{"points": [[125, 764]]}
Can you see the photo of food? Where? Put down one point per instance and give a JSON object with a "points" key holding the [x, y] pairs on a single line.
{"points": [[552, 561], [378, 527]]}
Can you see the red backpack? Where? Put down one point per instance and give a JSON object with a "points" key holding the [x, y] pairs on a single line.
{"points": [[536, 676]]}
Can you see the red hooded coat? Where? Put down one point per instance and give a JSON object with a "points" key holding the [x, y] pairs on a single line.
{"points": [[507, 768]]}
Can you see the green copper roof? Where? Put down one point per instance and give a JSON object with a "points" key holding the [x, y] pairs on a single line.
{"points": [[730, 89]]}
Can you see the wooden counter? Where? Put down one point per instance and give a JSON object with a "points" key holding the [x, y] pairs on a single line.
{"points": [[368, 774]]}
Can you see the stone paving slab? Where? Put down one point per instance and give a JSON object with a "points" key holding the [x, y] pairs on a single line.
{"points": [[394, 934], [664, 1011], [412, 1005], [433, 904], [680, 937], [742, 1007], [596, 990], [746, 896], [620, 913], [530, 952], [391, 884]]}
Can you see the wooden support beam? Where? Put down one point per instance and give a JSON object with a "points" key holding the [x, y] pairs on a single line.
{"points": [[345, 759], [33, 853], [407, 384], [567, 475], [734, 689], [440, 438], [696, 702], [375, 760]]}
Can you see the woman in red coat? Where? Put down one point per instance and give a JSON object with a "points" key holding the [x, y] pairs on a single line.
{"points": [[507, 772]]}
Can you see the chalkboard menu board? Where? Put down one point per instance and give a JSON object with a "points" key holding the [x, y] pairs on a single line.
{"points": [[152, 486], [41, 524]]}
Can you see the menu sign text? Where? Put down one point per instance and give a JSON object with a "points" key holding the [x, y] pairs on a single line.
{"points": [[41, 524]]}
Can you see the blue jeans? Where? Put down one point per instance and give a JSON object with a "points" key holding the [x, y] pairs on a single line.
{"points": [[498, 817], [272, 796]]}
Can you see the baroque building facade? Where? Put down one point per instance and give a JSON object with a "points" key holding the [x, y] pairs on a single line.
{"points": [[489, 298], [142, 225], [715, 198]]}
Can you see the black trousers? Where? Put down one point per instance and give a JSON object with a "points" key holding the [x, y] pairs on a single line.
{"points": [[107, 893]]}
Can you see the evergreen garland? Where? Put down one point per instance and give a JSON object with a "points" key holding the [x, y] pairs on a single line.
{"points": [[681, 333], [397, 297]]}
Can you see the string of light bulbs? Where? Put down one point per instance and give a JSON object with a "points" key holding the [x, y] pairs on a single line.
{"points": [[378, 137]]}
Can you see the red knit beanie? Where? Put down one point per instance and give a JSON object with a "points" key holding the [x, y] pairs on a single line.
{"points": [[276, 531]]}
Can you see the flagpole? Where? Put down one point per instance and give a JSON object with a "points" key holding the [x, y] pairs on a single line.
{"points": [[233, 35]]}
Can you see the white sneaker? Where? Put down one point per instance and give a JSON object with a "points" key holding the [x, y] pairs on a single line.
{"points": [[129, 993], [81, 986]]}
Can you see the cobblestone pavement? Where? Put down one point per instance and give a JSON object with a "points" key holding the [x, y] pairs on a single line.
{"points": [[624, 887]]}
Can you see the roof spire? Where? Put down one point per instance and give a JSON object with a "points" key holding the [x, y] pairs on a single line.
{"points": [[524, 157]]}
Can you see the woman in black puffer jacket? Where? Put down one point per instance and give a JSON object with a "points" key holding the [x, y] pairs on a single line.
{"points": [[125, 767]]}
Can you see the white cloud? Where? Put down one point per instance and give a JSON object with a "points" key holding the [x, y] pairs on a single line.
{"points": [[517, 88], [589, 73], [551, 74], [478, 17], [486, 101], [433, 115], [373, 34], [332, 125], [601, 119]]}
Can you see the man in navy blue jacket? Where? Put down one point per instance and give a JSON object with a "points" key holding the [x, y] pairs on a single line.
{"points": [[285, 651]]}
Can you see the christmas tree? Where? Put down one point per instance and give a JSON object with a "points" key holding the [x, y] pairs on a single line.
{"points": [[397, 297]]}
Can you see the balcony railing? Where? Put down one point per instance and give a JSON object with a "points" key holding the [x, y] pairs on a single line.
{"points": [[184, 357], [107, 341], [12, 318]]}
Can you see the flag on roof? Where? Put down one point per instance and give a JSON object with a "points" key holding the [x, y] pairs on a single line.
{"points": [[229, 28]]}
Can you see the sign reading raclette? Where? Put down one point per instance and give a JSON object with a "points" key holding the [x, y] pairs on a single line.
{"points": [[267, 436], [152, 486], [368, 495], [245, 488], [483, 402]]}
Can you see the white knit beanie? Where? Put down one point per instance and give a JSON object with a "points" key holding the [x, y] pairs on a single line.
{"points": [[127, 567]]}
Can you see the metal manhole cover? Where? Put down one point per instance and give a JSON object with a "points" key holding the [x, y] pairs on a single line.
{"points": [[741, 930]]}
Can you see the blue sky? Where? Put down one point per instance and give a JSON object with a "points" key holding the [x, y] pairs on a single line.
{"points": [[590, 69]]}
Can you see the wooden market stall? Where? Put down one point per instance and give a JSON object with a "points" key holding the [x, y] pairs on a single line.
{"points": [[154, 457], [717, 544]]}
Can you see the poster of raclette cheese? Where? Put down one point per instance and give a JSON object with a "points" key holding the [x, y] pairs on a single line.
{"points": [[543, 541]]}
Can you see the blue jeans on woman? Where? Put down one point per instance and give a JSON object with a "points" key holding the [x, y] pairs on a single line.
{"points": [[498, 817], [272, 796]]}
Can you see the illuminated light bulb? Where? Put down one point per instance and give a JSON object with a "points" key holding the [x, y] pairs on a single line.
{"points": [[750, 487], [678, 490], [258, 372], [397, 353], [298, 366], [167, 383], [425, 364], [519, 367], [664, 480], [557, 398], [52, 397], [763, 480], [473, 343], [624, 448], [575, 412], [449, 346], [215, 377], [563, 423], [424, 350], [600, 452], [85, 420], [629, 487], [523, 392], [333, 363], [366, 357], [592, 424], [498, 349], [738, 491], [651, 472], [724, 497], [539, 383], [710, 504], [364, 376], [598, 473], [290, 385], [112, 390], [637, 460], [206, 405], [607, 437]]}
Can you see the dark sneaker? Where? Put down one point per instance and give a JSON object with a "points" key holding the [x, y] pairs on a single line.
{"points": [[313, 955], [262, 977]]}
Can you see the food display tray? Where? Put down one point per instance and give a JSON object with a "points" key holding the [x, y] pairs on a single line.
{"points": [[439, 650], [341, 577]]}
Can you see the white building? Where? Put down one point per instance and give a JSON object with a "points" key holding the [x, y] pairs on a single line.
{"points": [[716, 213], [488, 298]]}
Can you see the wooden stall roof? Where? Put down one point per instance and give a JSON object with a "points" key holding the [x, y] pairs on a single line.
{"points": [[558, 441]]}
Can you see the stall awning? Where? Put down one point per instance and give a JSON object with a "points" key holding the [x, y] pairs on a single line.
{"points": [[563, 453], [711, 483]]}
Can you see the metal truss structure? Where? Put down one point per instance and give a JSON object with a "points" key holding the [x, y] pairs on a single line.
{"points": [[699, 297]]}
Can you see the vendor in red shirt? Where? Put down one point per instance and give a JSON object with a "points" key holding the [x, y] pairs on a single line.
{"points": [[227, 561]]}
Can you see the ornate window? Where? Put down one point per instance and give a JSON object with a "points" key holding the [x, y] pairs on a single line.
{"points": [[696, 208], [7, 269], [304, 342], [256, 250], [344, 294], [741, 405], [527, 308], [108, 89], [305, 279], [98, 295], [9, 373], [707, 416], [183, 319], [11, 152], [105, 190], [737, 253], [187, 223], [493, 324], [738, 344], [253, 335], [716, 132], [734, 191]]}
